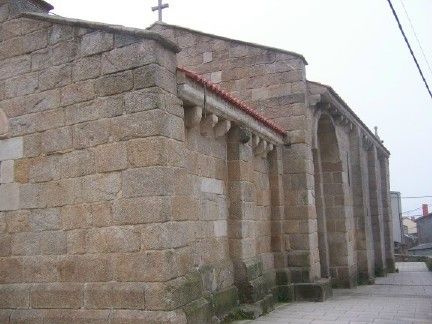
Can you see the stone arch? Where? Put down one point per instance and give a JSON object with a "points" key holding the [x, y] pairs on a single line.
{"points": [[335, 244]]}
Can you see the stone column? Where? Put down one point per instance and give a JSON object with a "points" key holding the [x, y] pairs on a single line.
{"points": [[248, 268], [362, 220], [277, 207], [321, 216], [376, 208], [300, 221], [387, 217]]}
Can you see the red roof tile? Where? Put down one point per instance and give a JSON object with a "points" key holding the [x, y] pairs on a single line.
{"points": [[233, 100]]}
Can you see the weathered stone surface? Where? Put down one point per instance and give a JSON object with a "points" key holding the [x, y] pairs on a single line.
{"points": [[101, 187], [33, 243], [11, 148], [99, 108], [148, 267], [55, 76], [141, 210], [61, 33], [87, 68], [9, 196], [150, 181], [113, 239], [154, 75], [114, 83], [77, 163], [151, 317], [153, 151], [110, 157], [128, 57], [77, 92], [84, 268], [166, 235], [14, 296], [59, 295], [115, 295], [7, 171], [96, 42], [5, 245], [91, 133], [59, 139], [63, 52], [21, 85]]}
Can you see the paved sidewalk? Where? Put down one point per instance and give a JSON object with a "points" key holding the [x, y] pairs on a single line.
{"points": [[404, 297]]}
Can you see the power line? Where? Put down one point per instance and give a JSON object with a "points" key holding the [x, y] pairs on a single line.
{"points": [[416, 197], [415, 34], [409, 211], [409, 47]]}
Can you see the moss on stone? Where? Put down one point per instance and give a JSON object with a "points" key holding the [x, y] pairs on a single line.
{"points": [[380, 272], [198, 311], [224, 301], [283, 277], [391, 267], [284, 293], [254, 269], [429, 263]]}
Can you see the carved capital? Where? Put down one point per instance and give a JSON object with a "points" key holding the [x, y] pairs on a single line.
{"points": [[207, 124], [222, 127], [366, 142]]}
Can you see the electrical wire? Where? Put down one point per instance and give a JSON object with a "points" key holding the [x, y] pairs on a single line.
{"points": [[409, 211], [409, 47], [415, 34], [416, 197]]}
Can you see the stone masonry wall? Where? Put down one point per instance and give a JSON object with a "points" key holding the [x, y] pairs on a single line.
{"points": [[206, 163], [88, 221], [274, 83]]}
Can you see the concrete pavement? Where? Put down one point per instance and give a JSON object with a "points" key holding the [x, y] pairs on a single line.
{"points": [[404, 297]]}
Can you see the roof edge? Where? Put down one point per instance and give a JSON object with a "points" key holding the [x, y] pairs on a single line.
{"points": [[233, 100], [142, 33], [345, 105], [229, 39]]}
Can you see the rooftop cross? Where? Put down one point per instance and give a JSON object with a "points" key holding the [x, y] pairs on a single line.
{"points": [[159, 8]]}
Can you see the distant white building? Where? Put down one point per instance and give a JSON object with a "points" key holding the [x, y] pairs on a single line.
{"points": [[410, 226]]}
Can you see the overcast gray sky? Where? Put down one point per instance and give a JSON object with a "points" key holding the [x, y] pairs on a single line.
{"points": [[352, 45]]}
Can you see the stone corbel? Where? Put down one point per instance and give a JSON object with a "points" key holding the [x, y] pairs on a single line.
{"points": [[261, 148], [332, 110], [255, 140], [366, 142], [314, 100], [222, 127], [208, 123], [193, 116], [270, 148]]}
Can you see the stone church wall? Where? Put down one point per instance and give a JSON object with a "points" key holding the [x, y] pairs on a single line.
{"points": [[206, 163], [274, 83], [113, 208]]}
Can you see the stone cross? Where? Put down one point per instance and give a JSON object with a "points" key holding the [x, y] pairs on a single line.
{"points": [[159, 8]]}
